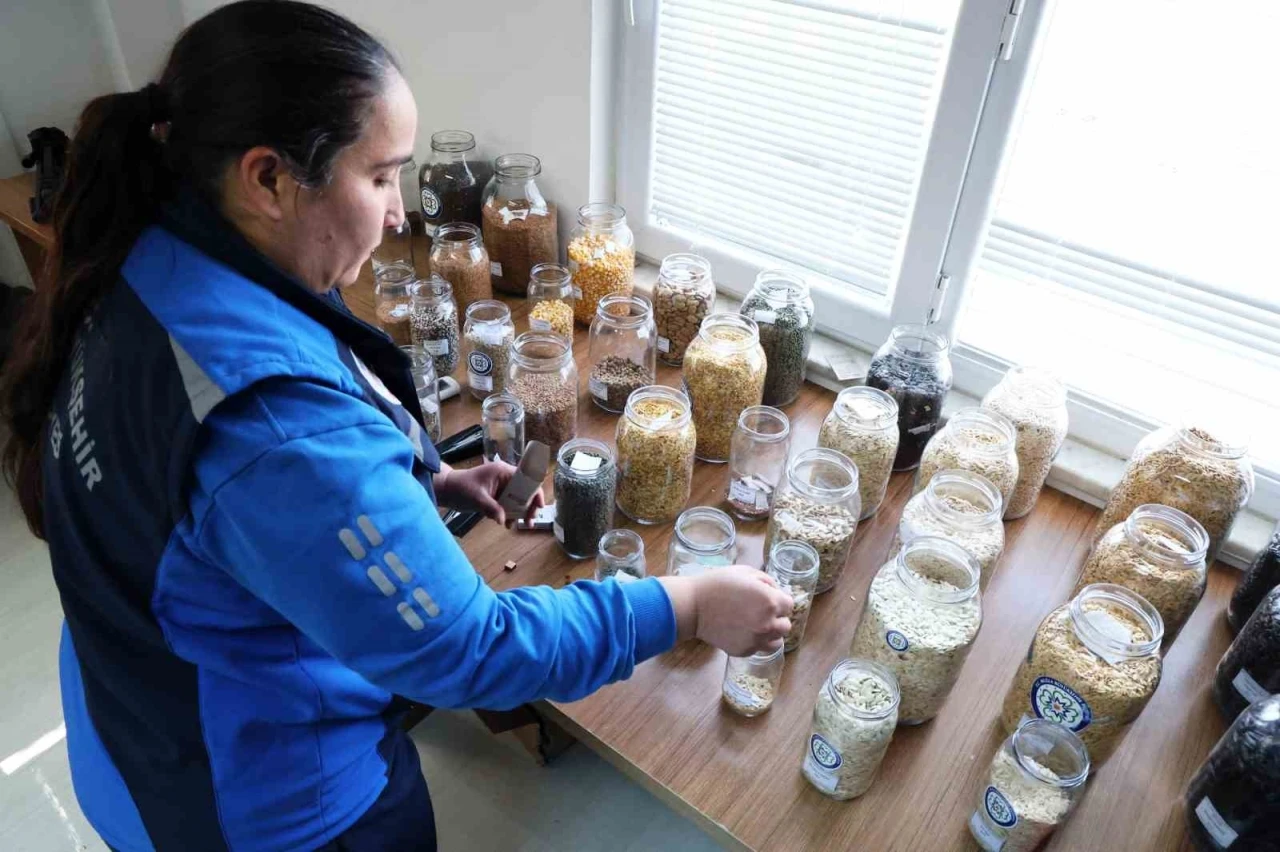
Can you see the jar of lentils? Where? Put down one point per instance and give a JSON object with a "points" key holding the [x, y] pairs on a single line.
{"points": [[704, 538], [914, 367], [818, 504], [544, 377], [623, 350], [655, 441], [602, 257], [459, 257], [1035, 402], [783, 310], [519, 224], [794, 567], [433, 323], [723, 373], [863, 424], [551, 300], [976, 440], [682, 298], [961, 507]]}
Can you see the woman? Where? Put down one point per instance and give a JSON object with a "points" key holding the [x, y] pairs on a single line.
{"points": [[230, 473]]}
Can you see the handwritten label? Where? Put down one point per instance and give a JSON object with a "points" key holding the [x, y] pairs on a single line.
{"points": [[664, 345], [1248, 687], [437, 347], [495, 269], [484, 383], [1222, 833], [598, 389]]}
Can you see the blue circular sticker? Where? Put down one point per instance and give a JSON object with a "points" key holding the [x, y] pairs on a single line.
{"points": [[896, 640], [479, 363], [1057, 702], [998, 808], [823, 752]]}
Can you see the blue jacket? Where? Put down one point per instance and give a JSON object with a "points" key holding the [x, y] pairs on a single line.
{"points": [[240, 517]]}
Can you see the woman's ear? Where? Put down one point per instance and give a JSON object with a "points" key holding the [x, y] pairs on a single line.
{"points": [[263, 184]]}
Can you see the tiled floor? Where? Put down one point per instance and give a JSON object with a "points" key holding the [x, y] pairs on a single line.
{"points": [[488, 794]]}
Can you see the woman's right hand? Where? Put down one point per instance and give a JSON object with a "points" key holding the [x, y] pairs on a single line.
{"points": [[738, 609]]}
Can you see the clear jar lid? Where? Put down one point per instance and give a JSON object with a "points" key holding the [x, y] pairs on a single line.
{"points": [[1167, 535], [686, 271], [929, 558], [517, 167], [540, 351], [851, 667], [917, 343], [729, 332], [993, 433], [863, 407], [452, 141], [550, 281], [1098, 617], [825, 476], [621, 311], [565, 463], [794, 562], [1040, 744], [705, 531], [658, 407], [973, 488]]}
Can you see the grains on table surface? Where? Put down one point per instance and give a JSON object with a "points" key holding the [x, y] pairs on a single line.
{"points": [[859, 742], [827, 527], [655, 462], [613, 379], [601, 265], [552, 315], [748, 694]]}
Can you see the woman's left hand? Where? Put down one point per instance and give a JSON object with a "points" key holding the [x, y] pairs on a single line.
{"points": [[478, 488]]}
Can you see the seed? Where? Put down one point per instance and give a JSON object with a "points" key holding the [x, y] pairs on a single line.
{"points": [[614, 378]]}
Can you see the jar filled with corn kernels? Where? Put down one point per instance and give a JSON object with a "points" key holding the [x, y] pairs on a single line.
{"points": [[602, 257]]}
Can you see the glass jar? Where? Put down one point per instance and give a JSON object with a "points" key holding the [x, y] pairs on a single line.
{"points": [[602, 257], [1093, 665], [682, 298], [1250, 669], [1159, 553], [433, 323], [921, 617], [818, 504], [853, 723], [623, 350], [544, 377], [782, 308], [723, 373], [450, 184], [621, 555], [914, 367], [975, 440], [655, 441], [1233, 802], [519, 224], [1263, 576], [424, 383], [486, 345], [458, 256], [704, 538], [757, 460], [551, 300], [1189, 469], [585, 484], [794, 567], [1035, 402], [391, 302], [1034, 782], [502, 424], [961, 507], [395, 250], [751, 683], [863, 424]]}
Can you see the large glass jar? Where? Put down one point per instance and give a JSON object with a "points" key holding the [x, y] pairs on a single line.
{"points": [[458, 256], [793, 565], [1250, 669], [585, 484], [391, 302], [655, 441], [782, 309], [544, 377], [1159, 553], [424, 384], [1093, 665], [921, 617], [621, 556], [853, 723], [682, 298], [818, 504], [914, 367], [704, 538], [433, 323], [863, 424], [551, 300], [1233, 802], [751, 683], [1035, 402], [519, 224], [961, 507], [724, 369], [975, 440], [623, 350], [1189, 469], [757, 460], [486, 346], [602, 257], [450, 184]]}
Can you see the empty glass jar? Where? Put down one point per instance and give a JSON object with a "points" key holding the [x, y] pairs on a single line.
{"points": [[519, 223], [621, 555], [391, 302], [486, 346], [655, 441], [682, 298], [961, 507], [623, 350], [757, 460], [794, 567], [502, 419], [458, 256], [818, 503], [782, 309], [914, 367], [602, 257], [551, 299], [976, 440], [424, 383], [751, 683], [1035, 402], [433, 323], [704, 538], [724, 369], [450, 184], [863, 424], [544, 377]]}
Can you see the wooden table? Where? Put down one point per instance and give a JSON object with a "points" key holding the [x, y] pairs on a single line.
{"points": [[740, 779], [33, 239]]}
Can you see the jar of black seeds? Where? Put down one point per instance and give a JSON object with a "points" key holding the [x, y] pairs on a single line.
{"points": [[585, 483], [780, 304], [1250, 669], [914, 367]]}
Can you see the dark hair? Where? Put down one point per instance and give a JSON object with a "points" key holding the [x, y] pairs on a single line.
{"points": [[287, 75]]}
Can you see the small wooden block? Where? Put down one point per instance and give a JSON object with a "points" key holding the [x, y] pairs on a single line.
{"points": [[509, 566]]}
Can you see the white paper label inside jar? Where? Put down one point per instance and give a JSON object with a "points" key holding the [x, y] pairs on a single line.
{"points": [[437, 347], [984, 834], [598, 389], [745, 491], [577, 292], [1222, 834], [558, 530], [539, 324], [765, 317], [642, 333], [484, 383], [429, 229], [1248, 687], [492, 335], [495, 268], [585, 463], [664, 345]]}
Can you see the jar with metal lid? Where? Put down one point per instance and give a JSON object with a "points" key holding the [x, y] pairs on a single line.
{"points": [[704, 538], [853, 723], [623, 350], [1262, 576], [1093, 665], [1159, 553], [391, 302], [602, 257], [818, 503], [682, 298], [458, 256], [921, 617], [863, 424], [486, 346], [794, 567], [519, 223], [975, 440], [451, 182], [621, 555], [424, 384], [914, 367], [751, 683], [502, 424], [1250, 669], [1035, 402], [723, 373], [544, 377], [757, 460], [961, 507], [550, 297], [655, 441], [433, 323], [1233, 801], [782, 308], [585, 484]]}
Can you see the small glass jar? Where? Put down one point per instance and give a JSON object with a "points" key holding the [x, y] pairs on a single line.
{"points": [[1093, 665], [782, 308], [757, 460], [704, 538], [424, 383], [723, 373], [450, 183], [1159, 553], [863, 424], [922, 615], [1035, 780], [395, 250], [961, 507], [620, 555], [486, 346], [458, 256], [682, 298], [1263, 576], [602, 257], [655, 441], [502, 422], [551, 300], [544, 377], [1035, 402], [1250, 669], [519, 224], [914, 367], [585, 484], [818, 504], [794, 567], [433, 323], [391, 302], [975, 440], [1233, 802], [751, 683], [853, 723], [1189, 469], [623, 350]]}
